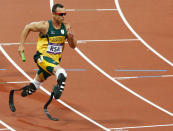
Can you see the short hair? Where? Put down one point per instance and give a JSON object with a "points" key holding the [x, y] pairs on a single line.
{"points": [[56, 6]]}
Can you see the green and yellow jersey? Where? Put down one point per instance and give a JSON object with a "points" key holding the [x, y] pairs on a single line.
{"points": [[52, 44]]}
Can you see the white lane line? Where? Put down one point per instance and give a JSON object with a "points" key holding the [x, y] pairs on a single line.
{"points": [[15, 82], [113, 40], [81, 41], [121, 85], [47, 92], [9, 43], [7, 126], [135, 127], [136, 77], [6, 44], [3, 129], [51, 4], [137, 36], [91, 9]]}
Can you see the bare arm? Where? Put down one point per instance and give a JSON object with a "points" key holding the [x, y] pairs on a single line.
{"points": [[35, 27], [70, 37]]}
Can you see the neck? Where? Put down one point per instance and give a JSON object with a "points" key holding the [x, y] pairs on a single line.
{"points": [[56, 24]]}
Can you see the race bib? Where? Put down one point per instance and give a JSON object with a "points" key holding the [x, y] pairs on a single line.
{"points": [[54, 48]]}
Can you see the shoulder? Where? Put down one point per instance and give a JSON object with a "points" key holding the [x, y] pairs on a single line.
{"points": [[40, 26]]}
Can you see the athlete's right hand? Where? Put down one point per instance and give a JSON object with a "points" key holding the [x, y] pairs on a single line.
{"points": [[20, 49]]}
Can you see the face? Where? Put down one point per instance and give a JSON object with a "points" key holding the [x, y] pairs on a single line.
{"points": [[59, 15]]}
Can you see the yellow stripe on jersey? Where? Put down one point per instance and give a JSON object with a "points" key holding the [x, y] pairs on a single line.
{"points": [[57, 39]]}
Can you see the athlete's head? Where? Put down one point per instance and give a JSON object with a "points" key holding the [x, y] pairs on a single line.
{"points": [[58, 12]]}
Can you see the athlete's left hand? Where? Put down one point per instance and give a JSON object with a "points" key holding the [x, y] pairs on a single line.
{"points": [[70, 37], [70, 33]]}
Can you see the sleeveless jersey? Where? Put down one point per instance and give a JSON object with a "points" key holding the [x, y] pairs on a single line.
{"points": [[52, 44]]}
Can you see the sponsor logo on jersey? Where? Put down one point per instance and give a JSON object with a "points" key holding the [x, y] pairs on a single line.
{"points": [[52, 32]]}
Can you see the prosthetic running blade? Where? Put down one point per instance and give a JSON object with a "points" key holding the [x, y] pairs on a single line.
{"points": [[45, 108]]}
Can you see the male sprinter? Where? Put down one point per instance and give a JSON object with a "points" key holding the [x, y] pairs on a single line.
{"points": [[51, 42]]}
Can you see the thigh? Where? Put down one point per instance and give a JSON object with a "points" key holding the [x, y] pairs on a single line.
{"points": [[42, 75], [46, 64]]}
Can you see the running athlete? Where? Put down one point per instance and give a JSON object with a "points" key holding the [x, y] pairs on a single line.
{"points": [[50, 45]]}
